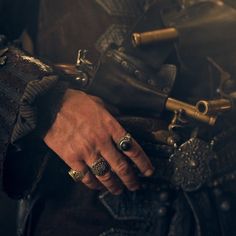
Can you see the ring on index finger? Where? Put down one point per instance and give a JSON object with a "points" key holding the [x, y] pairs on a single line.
{"points": [[125, 143]]}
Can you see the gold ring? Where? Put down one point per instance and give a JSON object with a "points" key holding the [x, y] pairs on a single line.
{"points": [[77, 175]]}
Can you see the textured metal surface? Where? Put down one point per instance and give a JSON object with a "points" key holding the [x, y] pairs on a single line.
{"points": [[191, 164], [114, 34], [100, 167]]}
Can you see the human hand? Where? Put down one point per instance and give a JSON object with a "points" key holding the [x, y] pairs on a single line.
{"points": [[84, 131]]}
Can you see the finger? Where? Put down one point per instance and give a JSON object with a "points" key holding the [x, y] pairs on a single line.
{"points": [[88, 179], [141, 160], [107, 179], [136, 153], [120, 166]]}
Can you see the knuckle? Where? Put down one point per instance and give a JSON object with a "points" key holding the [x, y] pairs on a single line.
{"points": [[71, 159], [112, 124], [90, 140], [87, 180], [106, 178], [86, 152], [74, 147], [137, 153], [103, 139], [123, 168]]}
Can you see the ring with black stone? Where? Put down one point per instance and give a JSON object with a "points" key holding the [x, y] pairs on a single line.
{"points": [[100, 167], [125, 143]]}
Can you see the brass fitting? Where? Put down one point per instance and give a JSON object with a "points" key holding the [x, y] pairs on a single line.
{"points": [[214, 106], [155, 36], [189, 110]]}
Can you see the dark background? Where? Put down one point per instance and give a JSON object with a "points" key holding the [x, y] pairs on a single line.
{"points": [[7, 216]]}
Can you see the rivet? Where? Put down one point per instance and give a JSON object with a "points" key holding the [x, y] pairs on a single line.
{"points": [[162, 211], [225, 206], [233, 176], [138, 74], [193, 163], [83, 79], [215, 183], [124, 64], [164, 196]]}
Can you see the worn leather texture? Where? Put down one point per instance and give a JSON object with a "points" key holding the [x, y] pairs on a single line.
{"points": [[159, 208]]}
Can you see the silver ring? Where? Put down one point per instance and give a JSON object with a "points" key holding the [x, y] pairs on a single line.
{"points": [[100, 167], [77, 175], [125, 143]]}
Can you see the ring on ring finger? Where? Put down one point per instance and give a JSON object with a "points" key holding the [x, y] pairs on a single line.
{"points": [[100, 167]]}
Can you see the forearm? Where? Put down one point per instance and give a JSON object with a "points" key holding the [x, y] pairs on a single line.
{"points": [[30, 95]]}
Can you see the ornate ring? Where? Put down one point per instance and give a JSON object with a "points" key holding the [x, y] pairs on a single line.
{"points": [[77, 175], [100, 167], [125, 143]]}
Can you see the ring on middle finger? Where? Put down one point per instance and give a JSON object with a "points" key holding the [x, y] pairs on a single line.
{"points": [[100, 167]]}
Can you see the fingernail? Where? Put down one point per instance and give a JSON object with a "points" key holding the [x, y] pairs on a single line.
{"points": [[149, 172]]}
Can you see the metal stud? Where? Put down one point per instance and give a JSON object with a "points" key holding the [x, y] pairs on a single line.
{"points": [[162, 211], [164, 196], [225, 206]]}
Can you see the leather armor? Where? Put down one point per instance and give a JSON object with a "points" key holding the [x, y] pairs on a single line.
{"points": [[170, 202]]}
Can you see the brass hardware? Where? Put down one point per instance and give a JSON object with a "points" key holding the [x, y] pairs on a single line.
{"points": [[214, 106], [68, 69], [155, 36], [78, 76], [191, 111], [166, 137]]}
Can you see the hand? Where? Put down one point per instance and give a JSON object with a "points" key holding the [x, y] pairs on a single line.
{"points": [[84, 130]]}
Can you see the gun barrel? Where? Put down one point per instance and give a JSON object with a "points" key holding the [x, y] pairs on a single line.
{"points": [[213, 106], [189, 110], [155, 36]]}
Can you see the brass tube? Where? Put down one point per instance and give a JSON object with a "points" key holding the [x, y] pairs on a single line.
{"points": [[189, 110], [214, 106], [155, 36]]}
